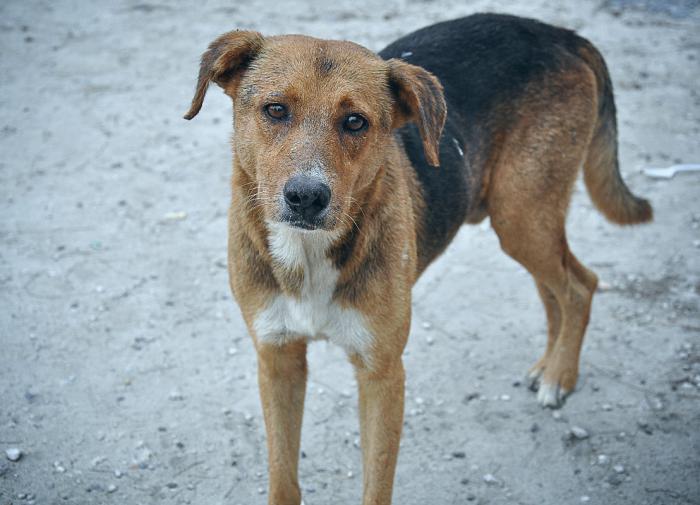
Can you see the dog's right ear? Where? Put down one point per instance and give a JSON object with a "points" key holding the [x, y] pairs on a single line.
{"points": [[223, 62]]}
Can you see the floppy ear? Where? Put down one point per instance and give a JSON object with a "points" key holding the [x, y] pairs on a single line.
{"points": [[418, 98], [223, 62]]}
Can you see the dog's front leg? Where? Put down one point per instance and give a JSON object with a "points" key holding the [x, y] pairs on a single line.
{"points": [[381, 395], [282, 379]]}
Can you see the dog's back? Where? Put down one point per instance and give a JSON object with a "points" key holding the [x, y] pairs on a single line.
{"points": [[488, 64]]}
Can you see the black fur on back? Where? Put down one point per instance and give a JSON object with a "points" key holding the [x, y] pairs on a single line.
{"points": [[484, 62]]}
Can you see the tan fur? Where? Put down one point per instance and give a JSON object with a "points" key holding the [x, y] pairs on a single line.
{"points": [[376, 211]]}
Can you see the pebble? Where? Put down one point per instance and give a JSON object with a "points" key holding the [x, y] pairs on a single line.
{"points": [[505, 398], [602, 459], [176, 395], [619, 469], [490, 479], [644, 426], [118, 474], [585, 498], [426, 325], [111, 488], [13, 454], [579, 433], [175, 216]]}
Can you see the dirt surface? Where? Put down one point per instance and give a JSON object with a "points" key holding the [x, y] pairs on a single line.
{"points": [[127, 376]]}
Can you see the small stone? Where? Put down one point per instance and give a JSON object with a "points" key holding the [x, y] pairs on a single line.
{"points": [[585, 498], [261, 490], [118, 474], [556, 415], [607, 407], [579, 433], [97, 461], [111, 488], [430, 340], [13, 454], [426, 325], [602, 459], [350, 474], [604, 286], [490, 479], [505, 398], [176, 395], [619, 469], [232, 351], [644, 426], [175, 216]]}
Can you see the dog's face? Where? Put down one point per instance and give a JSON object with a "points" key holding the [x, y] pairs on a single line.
{"points": [[313, 120]]}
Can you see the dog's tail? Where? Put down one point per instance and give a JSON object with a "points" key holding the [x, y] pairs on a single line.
{"points": [[601, 171]]}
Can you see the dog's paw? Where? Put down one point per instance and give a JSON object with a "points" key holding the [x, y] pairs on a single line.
{"points": [[533, 379], [534, 375], [551, 395]]}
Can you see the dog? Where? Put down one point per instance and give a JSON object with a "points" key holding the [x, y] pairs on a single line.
{"points": [[353, 171]]}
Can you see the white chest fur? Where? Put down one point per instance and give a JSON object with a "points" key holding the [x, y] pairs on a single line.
{"points": [[314, 314]]}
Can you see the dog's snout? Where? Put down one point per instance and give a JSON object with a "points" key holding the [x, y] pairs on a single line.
{"points": [[306, 196]]}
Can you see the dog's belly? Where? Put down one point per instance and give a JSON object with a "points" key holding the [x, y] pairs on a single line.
{"points": [[313, 314]]}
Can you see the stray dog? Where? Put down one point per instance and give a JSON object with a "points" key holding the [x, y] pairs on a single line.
{"points": [[338, 207]]}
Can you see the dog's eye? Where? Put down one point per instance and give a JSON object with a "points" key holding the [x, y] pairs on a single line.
{"points": [[355, 123], [276, 111]]}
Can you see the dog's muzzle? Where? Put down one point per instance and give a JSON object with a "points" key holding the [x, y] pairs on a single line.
{"points": [[306, 202]]}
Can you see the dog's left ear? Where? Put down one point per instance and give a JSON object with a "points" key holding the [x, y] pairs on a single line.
{"points": [[223, 63], [418, 98]]}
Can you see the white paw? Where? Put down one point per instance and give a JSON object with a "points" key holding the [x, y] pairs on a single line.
{"points": [[551, 395]]}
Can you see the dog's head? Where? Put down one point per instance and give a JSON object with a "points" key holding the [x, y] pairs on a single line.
{"points": [[313, 119]]}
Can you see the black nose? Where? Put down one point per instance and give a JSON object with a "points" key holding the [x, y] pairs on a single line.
{"points": [[306, 196]]}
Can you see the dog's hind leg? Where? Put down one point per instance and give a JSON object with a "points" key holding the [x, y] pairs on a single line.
{"points": [[566, 288], [528, 199]]}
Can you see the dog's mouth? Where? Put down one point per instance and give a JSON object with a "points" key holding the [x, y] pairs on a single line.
{"points": [[303, 225], [305, 222]]}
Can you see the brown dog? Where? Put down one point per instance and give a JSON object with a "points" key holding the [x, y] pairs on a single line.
{"points": [[337, 207]]}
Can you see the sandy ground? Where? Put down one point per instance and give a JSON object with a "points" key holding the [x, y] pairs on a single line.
{"points": [[127, 376]]}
